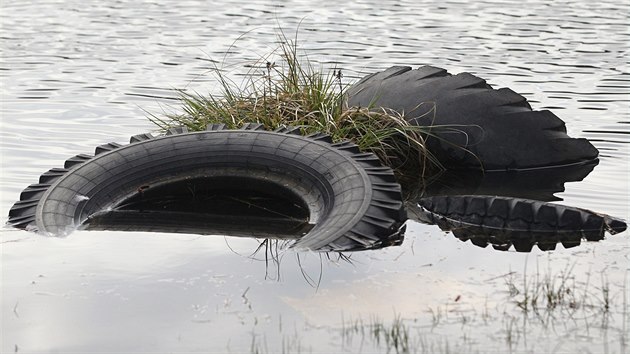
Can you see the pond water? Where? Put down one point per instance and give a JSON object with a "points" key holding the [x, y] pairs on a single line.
{"points": [[78, 74]]}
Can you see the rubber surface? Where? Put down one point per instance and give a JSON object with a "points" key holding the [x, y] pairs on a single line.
{"points": [[354, 202], [497, 128], [506, 221]]}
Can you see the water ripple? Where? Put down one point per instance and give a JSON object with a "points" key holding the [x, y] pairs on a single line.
{"points": [[89, 71]]}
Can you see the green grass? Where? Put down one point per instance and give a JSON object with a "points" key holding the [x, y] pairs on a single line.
{"points": [[545, 293], [559, 309], [290, 92], [392, 337]]}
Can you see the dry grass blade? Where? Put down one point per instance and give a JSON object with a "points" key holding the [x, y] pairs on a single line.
{"points": [[292, 93]]}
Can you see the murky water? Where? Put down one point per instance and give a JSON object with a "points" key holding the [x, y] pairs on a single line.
{"points": [[76, 75]]}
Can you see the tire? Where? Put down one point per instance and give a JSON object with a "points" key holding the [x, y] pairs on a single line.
{"points": [[353, 201], [474, 125], [506, 221]]}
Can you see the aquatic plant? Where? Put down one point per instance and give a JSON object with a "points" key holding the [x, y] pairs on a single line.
{"points": [[549, 305], [545, 293], [392, 336], [292, 92]]}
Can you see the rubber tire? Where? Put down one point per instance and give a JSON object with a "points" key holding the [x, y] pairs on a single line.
{"points": [[354, 201], [474, 125], [506, 221]]}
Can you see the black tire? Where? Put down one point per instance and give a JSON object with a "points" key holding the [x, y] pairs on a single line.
{"points": [[506, 221], [353, 201], [475, 125]]}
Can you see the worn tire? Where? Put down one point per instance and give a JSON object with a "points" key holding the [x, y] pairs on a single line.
{"points": [[474, 125], [353, 200], [506, 221]]}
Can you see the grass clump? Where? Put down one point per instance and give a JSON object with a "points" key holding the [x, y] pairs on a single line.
{"points": [[293, 93], [394, 337], [545, 293]]}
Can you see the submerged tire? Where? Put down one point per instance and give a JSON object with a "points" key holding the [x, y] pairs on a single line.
{"points": [[506, 221], [473, 124], [353, 201]]}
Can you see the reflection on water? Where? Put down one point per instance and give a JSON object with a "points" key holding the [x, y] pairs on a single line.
{"points": [[495, 220], [468, 206], [543, 184], [198, 223], [460, 204], [523, 223], [209, 206], [76, 74]]}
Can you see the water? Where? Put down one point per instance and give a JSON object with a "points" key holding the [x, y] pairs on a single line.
{"points": [[76, 75]]}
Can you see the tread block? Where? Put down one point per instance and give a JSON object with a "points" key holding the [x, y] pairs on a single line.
{"points": [[53, 174], [476, 206], [23, 207], [177, 130], [362, 240], [522, 210], [499, 207], [291, 130], [34, 191], [382, 173], [457, 206], [140, 137], [106, 148], [212, 127], [347, 145], [252, 126], [546, 214], [368, 158], [321, 137], [21, 222], [76, 160], [570, 219]]}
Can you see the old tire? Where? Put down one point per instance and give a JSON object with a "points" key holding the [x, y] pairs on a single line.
{"points": [[507, 221], [354, 202], [473, 124]]}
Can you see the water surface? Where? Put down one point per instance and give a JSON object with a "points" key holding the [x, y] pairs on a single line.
{"points": [[76, 75]]}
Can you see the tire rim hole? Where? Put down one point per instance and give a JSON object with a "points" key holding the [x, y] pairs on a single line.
{"points": [[237, 206]]}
